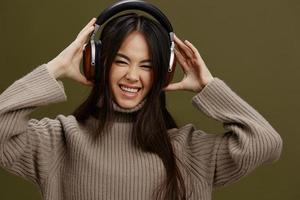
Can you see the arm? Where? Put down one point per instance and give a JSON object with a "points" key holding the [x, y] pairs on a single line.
{"points": [[28, 146], [249, 142]]}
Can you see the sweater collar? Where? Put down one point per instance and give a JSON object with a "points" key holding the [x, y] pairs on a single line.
{"points": [[126, 114], [118, 108], [121, 114]]}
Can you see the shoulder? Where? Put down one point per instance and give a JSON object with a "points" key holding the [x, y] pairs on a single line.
{"points": [[60, 118], [189, 138], [189, 132], [70, 123], [173, 132], [59, 124], [67, 119]]}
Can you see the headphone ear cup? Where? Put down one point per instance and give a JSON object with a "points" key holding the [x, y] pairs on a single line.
{"points": [[87, 57], [88, 69]]}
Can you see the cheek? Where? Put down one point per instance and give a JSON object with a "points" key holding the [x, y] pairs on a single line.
{"points": [[148, 80], [113, 80], [114, 75]]}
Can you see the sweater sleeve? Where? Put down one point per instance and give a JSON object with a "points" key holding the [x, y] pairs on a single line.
{"points": [[249, 140], [28, 146]]}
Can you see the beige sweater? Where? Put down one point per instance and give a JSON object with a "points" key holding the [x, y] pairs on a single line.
{"points": [[60, 157]]}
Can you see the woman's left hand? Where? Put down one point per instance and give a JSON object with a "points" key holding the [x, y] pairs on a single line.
{"points": [[196, 74]]}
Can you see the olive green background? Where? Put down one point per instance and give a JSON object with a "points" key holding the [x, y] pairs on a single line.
{"points": [[252, 45]]}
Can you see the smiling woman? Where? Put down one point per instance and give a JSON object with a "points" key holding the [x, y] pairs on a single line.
{"points": [[131, 74], [121, 142], [129, 88]]}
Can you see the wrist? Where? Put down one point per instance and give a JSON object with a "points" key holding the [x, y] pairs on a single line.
{"points": [[55, 68], [205, 83]]}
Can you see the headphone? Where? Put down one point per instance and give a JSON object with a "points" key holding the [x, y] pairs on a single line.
{"points": [[91, 52]]}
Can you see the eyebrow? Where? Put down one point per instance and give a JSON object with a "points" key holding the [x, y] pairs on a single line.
{"points": [[127, 58]]}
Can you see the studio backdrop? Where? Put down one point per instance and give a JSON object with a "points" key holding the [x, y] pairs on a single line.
{"points": [[253, 46]]}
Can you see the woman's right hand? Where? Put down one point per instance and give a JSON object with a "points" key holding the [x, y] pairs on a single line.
{"points": [[67, 63]]}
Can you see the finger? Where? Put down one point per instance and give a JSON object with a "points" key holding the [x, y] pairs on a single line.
{"points": [[89, 24], [82, 37], [186, 51], [193, 48], [173, 87], [181, 60], [84, 46], [82, 79], [87, 29]]}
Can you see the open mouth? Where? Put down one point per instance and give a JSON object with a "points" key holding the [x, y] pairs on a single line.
{"points": [[131, 90]]}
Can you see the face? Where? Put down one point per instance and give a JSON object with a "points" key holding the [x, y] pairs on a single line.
{"points": [[131, 71]]}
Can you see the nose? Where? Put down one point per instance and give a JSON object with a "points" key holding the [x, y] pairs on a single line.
{"points": [[132, 74]]}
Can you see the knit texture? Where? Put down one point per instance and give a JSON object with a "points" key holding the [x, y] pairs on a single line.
{"points": [[66, 163]]}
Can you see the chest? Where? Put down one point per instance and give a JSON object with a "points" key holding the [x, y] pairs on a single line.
{"points": [[110, 167]]}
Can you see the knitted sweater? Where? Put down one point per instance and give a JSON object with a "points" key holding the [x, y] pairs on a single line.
{"points": [[61, 158]]}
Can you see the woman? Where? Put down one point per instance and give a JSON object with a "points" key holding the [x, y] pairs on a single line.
{"points": [[122, 143]]}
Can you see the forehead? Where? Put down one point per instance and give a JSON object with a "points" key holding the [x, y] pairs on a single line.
{"points": [[135, 46]]}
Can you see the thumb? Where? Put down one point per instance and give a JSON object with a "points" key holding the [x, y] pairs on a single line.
{"points": [[173, 87], [82, 79]]}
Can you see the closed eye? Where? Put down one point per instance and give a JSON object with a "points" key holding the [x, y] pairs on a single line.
{"points": [[147, 66], [120, 62]]}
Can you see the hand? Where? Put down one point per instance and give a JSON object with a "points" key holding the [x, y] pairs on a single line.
{"points": [[196, 74], [67, 63]]}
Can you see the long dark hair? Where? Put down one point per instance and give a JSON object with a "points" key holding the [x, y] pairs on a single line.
{"points": [[153, 120]]}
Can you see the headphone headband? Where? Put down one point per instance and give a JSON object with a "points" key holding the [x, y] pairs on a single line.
{"points": [[92, 50], [136, 5]]}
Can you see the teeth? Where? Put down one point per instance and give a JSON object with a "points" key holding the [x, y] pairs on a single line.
{"points": [[133, 90]]}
